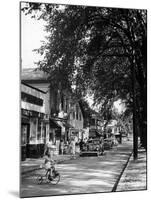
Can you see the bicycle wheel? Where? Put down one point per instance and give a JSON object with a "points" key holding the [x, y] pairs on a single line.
{"points": [[55, 178], [39, 179]]}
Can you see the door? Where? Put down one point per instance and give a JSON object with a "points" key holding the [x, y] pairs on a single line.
{"points": [[28, 141], [24, 140]]}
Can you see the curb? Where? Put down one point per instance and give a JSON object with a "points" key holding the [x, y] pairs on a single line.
{"points": [[118, 180]]}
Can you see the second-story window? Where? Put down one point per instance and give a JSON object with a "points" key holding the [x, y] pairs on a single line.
{"points": [[31, 99]]}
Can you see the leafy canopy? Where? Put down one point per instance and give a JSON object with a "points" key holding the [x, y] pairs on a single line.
{"points": [[94, 49]]}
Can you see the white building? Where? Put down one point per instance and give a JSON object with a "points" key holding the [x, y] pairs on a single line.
{"points": [[34, 126]]}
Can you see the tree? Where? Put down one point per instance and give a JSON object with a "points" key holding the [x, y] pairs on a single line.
{"points": [[124, 120], [102, 50]]}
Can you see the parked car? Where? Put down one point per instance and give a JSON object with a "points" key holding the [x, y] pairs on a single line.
{"points": [[108, 143], [92, 147]]}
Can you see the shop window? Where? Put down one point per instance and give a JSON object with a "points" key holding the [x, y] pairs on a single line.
{"points": [[44, 133], [77, 112], [24, 135], [39, 130], [70, 116], [73, 115], [62, 102], [66, 110]]}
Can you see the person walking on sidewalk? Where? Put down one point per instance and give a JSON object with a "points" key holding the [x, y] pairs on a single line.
{"points": [[81, 143], [102, 145], [62, 146], [72, 147]]}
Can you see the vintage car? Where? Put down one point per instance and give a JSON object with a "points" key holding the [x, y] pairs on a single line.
{"points": [[92, 147], [108, 143]]}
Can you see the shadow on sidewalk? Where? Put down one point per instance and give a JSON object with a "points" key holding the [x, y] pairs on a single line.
{"points": [[135, 174]]}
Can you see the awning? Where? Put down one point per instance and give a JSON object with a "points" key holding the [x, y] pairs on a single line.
{"points": [[54, 124], [59, 124], [67, 125]]}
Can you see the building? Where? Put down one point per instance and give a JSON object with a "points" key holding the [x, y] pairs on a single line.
{"points": [[95, 129], [65, 115], [76, 120], [34, 122]]}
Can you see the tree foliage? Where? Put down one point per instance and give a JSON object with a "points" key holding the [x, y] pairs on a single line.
{"points": [[96, 49]]}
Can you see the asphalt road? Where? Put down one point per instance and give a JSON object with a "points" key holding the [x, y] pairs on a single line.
{"points": [[83, 175]]}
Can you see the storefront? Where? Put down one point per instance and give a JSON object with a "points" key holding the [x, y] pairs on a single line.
{"points": [[60, 131], [34, 126]]}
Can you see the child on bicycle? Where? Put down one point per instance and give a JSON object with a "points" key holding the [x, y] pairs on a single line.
{"points": [[49, 163]]}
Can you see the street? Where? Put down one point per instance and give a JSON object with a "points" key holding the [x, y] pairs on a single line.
{"points": [[82, 175]]}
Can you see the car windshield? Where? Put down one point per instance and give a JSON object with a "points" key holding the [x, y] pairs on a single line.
{"points": [[94, 141]]}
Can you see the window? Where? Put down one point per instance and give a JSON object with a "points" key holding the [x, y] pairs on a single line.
{"points": [[77, 112], [70, 116], [62, 102], [73, 115], [23, 134], [39, 130], [31, 99]]}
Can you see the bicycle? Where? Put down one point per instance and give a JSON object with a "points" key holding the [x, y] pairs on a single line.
{"points": [[49, 177]]}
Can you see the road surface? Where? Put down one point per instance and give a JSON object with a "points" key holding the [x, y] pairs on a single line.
{"points": [[83, 175]]}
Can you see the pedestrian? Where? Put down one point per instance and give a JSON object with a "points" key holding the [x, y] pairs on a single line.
{"points": [[128, 136], [85, 140], [73, 147], [102, 145], [49, 149], [105, 135], [81, 143], [57, 146], [61, 146]]}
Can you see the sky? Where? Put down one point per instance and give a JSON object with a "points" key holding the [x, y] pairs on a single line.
{"points": [[32, 33], [120, 106]]}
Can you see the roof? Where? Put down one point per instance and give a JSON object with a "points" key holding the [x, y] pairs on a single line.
{"points": [[33, 74], [22, 82]]}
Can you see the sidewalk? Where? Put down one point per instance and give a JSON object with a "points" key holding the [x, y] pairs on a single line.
{"points": [[31, 164], [135, 174]]}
